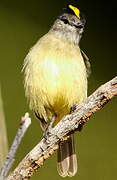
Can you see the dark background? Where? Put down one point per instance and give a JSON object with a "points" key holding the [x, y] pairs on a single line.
{"points": [[22, 23]]}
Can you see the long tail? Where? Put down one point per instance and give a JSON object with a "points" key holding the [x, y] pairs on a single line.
{"points": [[67, 160]]}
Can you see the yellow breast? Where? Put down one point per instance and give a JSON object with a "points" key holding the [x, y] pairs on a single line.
{"points": [[55, 76]]}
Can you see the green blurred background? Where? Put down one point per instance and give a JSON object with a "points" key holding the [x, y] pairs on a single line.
{"points": [[22, 23]]}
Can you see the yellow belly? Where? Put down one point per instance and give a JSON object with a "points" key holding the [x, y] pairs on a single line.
{"points": [[55, 77]]}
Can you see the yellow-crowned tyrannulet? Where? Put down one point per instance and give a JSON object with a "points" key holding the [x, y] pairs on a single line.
{"points": [[55, 72]]}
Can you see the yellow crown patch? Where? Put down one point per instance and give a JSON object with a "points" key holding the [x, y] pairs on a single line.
{"points": [[75, 10]]}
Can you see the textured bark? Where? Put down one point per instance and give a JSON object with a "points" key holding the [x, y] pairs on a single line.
{"points": [[69, 124]]}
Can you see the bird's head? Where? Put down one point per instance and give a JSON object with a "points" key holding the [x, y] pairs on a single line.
{"points": [[70, 24]]}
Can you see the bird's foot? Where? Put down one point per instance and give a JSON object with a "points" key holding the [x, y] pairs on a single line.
{"points": [[50, 127]]}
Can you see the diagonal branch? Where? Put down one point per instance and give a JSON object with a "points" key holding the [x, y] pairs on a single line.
{"points": [[24, 124], [69, 124]]}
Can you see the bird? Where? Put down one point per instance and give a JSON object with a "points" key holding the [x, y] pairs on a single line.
{"points": [[55, 78]]}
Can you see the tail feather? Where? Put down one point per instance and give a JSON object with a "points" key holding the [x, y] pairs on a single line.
{"points": [[73, 159], [63, 160], [67, 160]]}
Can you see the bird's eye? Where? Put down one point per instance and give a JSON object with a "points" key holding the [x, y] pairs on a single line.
{"points": [[65, 21]]}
